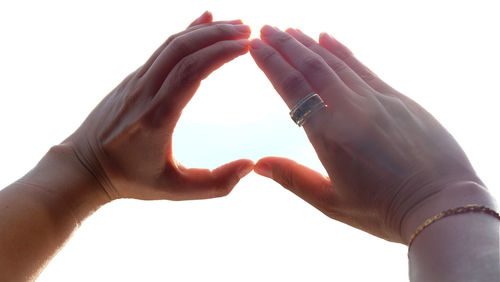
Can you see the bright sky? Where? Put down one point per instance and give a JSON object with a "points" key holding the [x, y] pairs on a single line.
{"points": [[58, 59]]}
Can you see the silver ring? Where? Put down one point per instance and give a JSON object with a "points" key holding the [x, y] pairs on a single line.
{"points": [[305, 107]]}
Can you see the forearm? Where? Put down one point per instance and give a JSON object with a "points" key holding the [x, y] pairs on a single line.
{"points": [[39, 212], [461, 247]]}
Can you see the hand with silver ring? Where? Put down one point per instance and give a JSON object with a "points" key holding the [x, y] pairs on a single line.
{"points": [[389, 161]]}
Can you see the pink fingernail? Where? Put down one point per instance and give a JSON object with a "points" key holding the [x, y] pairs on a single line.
{"points": [[264, 169], [205, 14]]}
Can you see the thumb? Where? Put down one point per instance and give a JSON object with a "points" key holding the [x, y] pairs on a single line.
{"points": [[198, 183], [304, 182]]}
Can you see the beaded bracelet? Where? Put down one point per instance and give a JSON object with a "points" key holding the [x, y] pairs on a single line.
{"points": [[454, 211]]}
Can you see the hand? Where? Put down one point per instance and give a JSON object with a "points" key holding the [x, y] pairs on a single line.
{"points": [[384, 154], [126, 142]]}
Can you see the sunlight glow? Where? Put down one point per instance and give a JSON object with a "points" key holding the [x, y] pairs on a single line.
{"points": [[60, 58]]}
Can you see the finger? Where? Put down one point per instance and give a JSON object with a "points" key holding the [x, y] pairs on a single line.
{"points": [[211, 23], [158, 51], [206, 17], [344, 54], [288, 82], [319, 75], [189, 43], [348, 76], [304, 182], [195, 183], [185, 77]]}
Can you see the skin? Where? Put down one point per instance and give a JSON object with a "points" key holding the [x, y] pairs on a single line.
{"points": [[122, 150], [390, 164]]}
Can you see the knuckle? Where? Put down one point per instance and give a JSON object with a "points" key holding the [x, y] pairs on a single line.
{"points": [[310, 43], [187, 70], [179, 45], [332, 210], [395, 106], [171, 38], [286, 178], [338, 66], [374, 114], [367, 74], [282, 38], [223, 189], [222, 28], [313, 64], [292, 82], [267, 57]]}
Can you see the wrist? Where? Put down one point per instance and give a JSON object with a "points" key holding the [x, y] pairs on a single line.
{"points": [[64, 183], [454, 195]]}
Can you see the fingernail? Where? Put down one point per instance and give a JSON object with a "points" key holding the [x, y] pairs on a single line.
{"points": [[206, 13], [244, 171], [267, 30], [245, 29], [256, 44], [263, 169]]}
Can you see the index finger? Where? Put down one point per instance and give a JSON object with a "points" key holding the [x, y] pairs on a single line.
{"points": [[288, 82], [158, 51], [317, 72]]}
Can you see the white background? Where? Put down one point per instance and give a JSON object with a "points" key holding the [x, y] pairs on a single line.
{"points": [[59, 58]]}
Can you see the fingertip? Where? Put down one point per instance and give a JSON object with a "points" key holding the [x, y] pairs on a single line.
{"points": [[266, 30], [246, 168], [325, 36], [207, 15], [326, 40], [238, 21], [244, 29], [256, 44], [243, 43], [294, 33], [241, 168], [263, 168]]}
